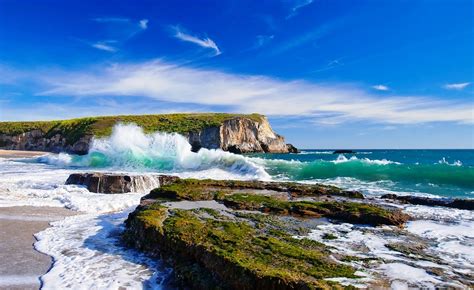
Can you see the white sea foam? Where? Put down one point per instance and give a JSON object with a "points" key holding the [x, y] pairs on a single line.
{"points": [[402, 275], [449, 234], [316, 152], [342, 159], [88, 254], [455, 163]]}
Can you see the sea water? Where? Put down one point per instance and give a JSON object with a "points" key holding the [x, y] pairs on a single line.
{"points": [[88, 252]]}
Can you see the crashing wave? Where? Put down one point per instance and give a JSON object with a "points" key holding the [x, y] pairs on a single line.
{"points": [[130, 148]]}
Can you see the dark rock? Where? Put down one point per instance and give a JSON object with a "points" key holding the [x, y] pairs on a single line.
{"points": [[452, 203], [292, 149], [344, 152], [118, 183]]}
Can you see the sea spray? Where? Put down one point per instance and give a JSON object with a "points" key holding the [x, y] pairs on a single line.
{"points": [[129, 148]]}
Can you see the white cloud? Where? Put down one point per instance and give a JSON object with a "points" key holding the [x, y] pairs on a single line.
{"points": [[324, 103], [204, 42], [458, 86], [298, 4], [104, 46], [143, 24], [380, 88]]}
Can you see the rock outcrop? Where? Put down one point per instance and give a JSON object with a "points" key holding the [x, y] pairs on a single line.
{"points": [[421, 200], [239, 134], [241, 234], [118, 183], [37, 140]]}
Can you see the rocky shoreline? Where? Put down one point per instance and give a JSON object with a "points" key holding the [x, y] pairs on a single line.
{"points": [[244, 235]]}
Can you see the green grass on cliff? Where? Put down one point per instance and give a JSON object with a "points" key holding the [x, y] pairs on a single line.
{"points": [[102, 126]]}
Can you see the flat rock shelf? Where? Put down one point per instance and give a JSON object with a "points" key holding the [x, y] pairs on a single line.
{"points": [[247, 234]]}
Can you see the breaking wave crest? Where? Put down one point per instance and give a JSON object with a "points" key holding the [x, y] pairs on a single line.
{"points": [[130, 148], [371, 170]]}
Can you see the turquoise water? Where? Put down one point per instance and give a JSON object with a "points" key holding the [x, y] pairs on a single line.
{"points": [[448, 173]]}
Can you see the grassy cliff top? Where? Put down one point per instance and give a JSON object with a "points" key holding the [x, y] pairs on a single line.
{"points": [[102, 126]]}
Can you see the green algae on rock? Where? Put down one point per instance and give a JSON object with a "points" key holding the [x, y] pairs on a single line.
{"points": [[222, 253], [207, 189], [253, 243]]}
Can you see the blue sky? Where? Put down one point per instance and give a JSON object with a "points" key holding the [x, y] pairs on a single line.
{"points": [[328, 74]]}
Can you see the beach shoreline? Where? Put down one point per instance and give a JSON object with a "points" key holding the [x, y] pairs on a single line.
{"points": [[20, 153], [22, 265]]}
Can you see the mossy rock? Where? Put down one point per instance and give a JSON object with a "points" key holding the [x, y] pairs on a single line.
{"points": [[208, 189], [353, 212], [231, 254], [253, 245]]}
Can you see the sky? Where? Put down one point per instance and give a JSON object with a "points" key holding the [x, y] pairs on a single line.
{"points": [[327, 73]]}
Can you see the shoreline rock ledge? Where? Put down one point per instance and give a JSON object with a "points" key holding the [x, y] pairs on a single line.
{"points": [[118, 183], [227, 234]]}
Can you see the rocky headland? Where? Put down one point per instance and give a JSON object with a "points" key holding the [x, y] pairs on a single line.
{"points": [[235, 133]]}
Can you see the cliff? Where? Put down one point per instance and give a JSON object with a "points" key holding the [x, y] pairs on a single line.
{"points": [[236, 133]]}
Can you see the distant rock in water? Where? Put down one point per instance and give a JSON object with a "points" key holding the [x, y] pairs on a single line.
{"points": [[453, 203], [292, 149], [118, 183], [344, 152]]}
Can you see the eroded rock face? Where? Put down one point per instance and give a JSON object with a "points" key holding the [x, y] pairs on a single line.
{"points": [[36, 140], [118, 183], [237, 135], [241, 135]]}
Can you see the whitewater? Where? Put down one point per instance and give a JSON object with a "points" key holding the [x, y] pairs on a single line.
{"points": [[87, 250]]}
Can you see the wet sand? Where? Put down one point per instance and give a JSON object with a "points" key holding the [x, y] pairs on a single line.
{"points": [[20, 264], [19, 153]]}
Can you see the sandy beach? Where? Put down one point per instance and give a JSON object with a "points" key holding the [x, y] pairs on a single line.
{"points": [[19, 153], [21, 265]]}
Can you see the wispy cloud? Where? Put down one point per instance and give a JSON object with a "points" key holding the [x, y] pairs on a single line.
{"points": [[457, 86], [330, 65], [104, 46], [297, 5], [143, 24], [380, 88], [118, 30], [305, 38], [205, 42], [324, 103]]}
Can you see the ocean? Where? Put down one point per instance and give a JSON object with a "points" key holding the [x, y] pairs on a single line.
{"points": [[87, 248]]}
